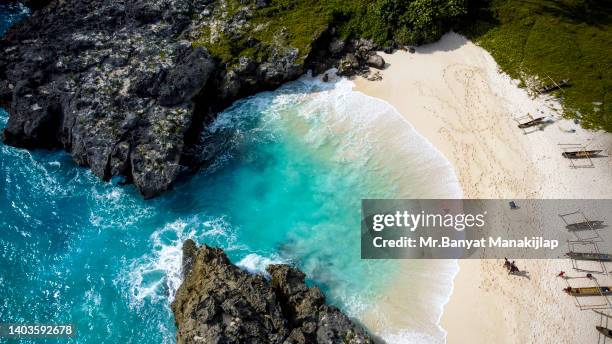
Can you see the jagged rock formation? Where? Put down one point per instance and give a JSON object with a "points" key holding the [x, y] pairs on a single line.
{"points": [[220, 303], [121, 86], [111, 82], [361, 55]]}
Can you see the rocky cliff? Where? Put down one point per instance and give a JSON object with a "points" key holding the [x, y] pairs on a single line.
{"points": [[220, 303], [112, 82], [125, 86]]}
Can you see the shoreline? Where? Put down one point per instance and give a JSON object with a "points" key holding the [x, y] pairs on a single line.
{"points": [[407, 300], [454, 95]]}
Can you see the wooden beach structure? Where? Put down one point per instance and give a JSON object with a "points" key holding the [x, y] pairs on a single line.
{"points": [[573, 152], [603, 257], [589, 291], [581, 226], [528, 122], [554, 85], [585, 226], [585, 257], [532, 123], [604, 331], [605, 334], [550, 85], [581, 154], [597, 294]]}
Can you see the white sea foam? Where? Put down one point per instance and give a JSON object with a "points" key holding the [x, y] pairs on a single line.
{"points": [[115, 208], [365, 131], [156, 276], [255, 263], [409, 337]]}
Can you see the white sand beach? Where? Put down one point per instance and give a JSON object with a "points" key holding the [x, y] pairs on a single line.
{"points": [[453, 93]]}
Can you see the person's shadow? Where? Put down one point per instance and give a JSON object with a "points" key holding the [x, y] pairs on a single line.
{"points": [[522, 273]]}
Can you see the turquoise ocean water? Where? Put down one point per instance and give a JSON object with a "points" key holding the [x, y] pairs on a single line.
{"points": [[286, 189]]}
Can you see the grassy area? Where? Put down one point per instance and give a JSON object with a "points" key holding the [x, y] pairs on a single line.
{"points": [[561, 39]]}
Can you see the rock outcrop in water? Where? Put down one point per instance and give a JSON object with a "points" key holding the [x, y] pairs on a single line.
{"points": [[220, 303], [122, 88]]}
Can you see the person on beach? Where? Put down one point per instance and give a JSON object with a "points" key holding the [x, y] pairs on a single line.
{"points": [[511, 266], [506, 263]]}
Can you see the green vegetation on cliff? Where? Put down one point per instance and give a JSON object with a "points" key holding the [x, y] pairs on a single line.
{"points": [[560, 39], [297, 23]]}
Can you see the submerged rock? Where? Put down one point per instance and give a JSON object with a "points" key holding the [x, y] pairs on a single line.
{"points": [[220, 303]]}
